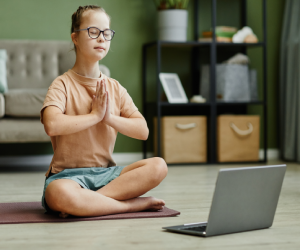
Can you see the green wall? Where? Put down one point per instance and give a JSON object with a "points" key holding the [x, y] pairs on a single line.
{"points": [[135, 23], [275, 10]]}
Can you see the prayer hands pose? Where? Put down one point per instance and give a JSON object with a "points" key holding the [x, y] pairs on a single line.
{"points": [[100, 102], [107, 115]]}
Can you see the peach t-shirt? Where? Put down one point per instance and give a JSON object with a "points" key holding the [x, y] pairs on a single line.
{"points": [[92, 147]]}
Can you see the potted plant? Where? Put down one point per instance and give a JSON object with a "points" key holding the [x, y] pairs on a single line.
{"points": [[172, 20]]}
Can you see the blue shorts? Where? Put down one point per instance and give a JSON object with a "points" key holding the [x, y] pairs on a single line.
{"points": [[88, 178]]}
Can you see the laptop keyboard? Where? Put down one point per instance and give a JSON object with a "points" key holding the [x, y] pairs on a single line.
{"points": [[197, 229]]}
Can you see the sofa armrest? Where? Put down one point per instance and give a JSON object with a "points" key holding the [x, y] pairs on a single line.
{"points": [[2, 105], [104, 70]]}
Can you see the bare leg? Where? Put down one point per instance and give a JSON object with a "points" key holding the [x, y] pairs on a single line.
{"points": [[117, 197], [136, 179], [73, 199]]}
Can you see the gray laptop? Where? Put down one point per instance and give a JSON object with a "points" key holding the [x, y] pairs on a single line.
{"points": [[244, 199]]}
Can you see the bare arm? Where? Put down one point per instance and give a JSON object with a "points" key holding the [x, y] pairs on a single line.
{"points": [[57, 123], [135, 126]]}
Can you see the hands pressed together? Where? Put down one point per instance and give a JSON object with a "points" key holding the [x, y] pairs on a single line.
{"points": [[135, 127], [101, 102]]}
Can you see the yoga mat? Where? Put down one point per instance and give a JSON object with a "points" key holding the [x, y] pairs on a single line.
{"points": [[33, 212]]}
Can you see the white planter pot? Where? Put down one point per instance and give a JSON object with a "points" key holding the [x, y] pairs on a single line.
{"points": [[172, 25]]}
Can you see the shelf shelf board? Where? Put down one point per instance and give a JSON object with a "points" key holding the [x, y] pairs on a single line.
{"points": [[241, 44], [177, 44], [184, 104], [180, 104], [207, 103], [196, 43], [240, 103]]}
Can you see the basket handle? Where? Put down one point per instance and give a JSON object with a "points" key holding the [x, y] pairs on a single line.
{"points": [[242, 132], [185, 126]]}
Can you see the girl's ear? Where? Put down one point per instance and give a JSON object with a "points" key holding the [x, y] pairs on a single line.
{"points": [[74, 38]]}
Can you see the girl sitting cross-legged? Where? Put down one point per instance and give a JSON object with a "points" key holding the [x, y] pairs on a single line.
{"points": [[82, 113]]}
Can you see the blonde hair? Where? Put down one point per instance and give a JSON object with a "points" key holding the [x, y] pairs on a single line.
{"points": [[77, 16]]}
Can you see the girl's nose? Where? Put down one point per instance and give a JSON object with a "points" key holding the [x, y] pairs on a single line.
{"points": [[101, 37]]}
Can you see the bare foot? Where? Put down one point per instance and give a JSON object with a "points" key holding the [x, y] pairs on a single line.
{"points": [[145, 203], [155, 204], [63, 215]]}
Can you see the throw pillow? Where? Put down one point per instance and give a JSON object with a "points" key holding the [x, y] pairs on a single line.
{"points": [[2, 106], [3, 80], [24, 102]]}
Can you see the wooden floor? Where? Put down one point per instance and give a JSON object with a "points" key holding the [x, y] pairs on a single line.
{"points": [[188, 189]]}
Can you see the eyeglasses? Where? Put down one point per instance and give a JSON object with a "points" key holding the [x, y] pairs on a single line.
{"points": [[94, 33]]}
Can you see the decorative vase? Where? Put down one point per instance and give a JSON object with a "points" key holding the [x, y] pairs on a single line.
{"points": [[172, 25]]}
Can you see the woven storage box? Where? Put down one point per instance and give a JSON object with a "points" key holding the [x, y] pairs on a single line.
{"points": [[183, 139], [238, 138]]}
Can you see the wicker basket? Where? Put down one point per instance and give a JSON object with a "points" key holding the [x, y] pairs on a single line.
{"points": [[238, 138], [183, 139]]}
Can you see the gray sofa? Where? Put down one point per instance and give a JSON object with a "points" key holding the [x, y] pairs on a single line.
{"points": [[31, 67]]}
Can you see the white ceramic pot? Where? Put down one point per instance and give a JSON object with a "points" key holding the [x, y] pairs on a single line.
{"points": [[172, 25]]}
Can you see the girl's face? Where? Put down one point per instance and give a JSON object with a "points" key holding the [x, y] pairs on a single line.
{"points": [[92, 49]]}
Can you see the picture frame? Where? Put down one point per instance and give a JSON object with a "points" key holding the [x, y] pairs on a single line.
{"points": [[173, 88]]}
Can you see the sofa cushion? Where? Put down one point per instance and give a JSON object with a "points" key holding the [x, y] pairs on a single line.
{"points": [[24, 102], [36, 63], [104, 70], [22, 130]]}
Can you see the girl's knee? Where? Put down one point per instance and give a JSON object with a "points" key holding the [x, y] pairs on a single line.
{"points": [[161, 168], [59, 195]]}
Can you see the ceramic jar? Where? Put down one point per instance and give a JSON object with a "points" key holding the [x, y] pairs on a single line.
{"points": [[172, 25]]}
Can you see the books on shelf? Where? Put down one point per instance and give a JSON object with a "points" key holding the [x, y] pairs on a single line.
{"points": [[218, 39], [223, 34]]}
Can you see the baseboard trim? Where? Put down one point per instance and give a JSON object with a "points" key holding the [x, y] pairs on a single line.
{"points": [[45, 160], [120, 158], [272, 154], [25, 161], [127, 158]]}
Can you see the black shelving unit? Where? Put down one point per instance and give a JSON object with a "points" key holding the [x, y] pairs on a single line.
{"points": [[212, 108]]}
